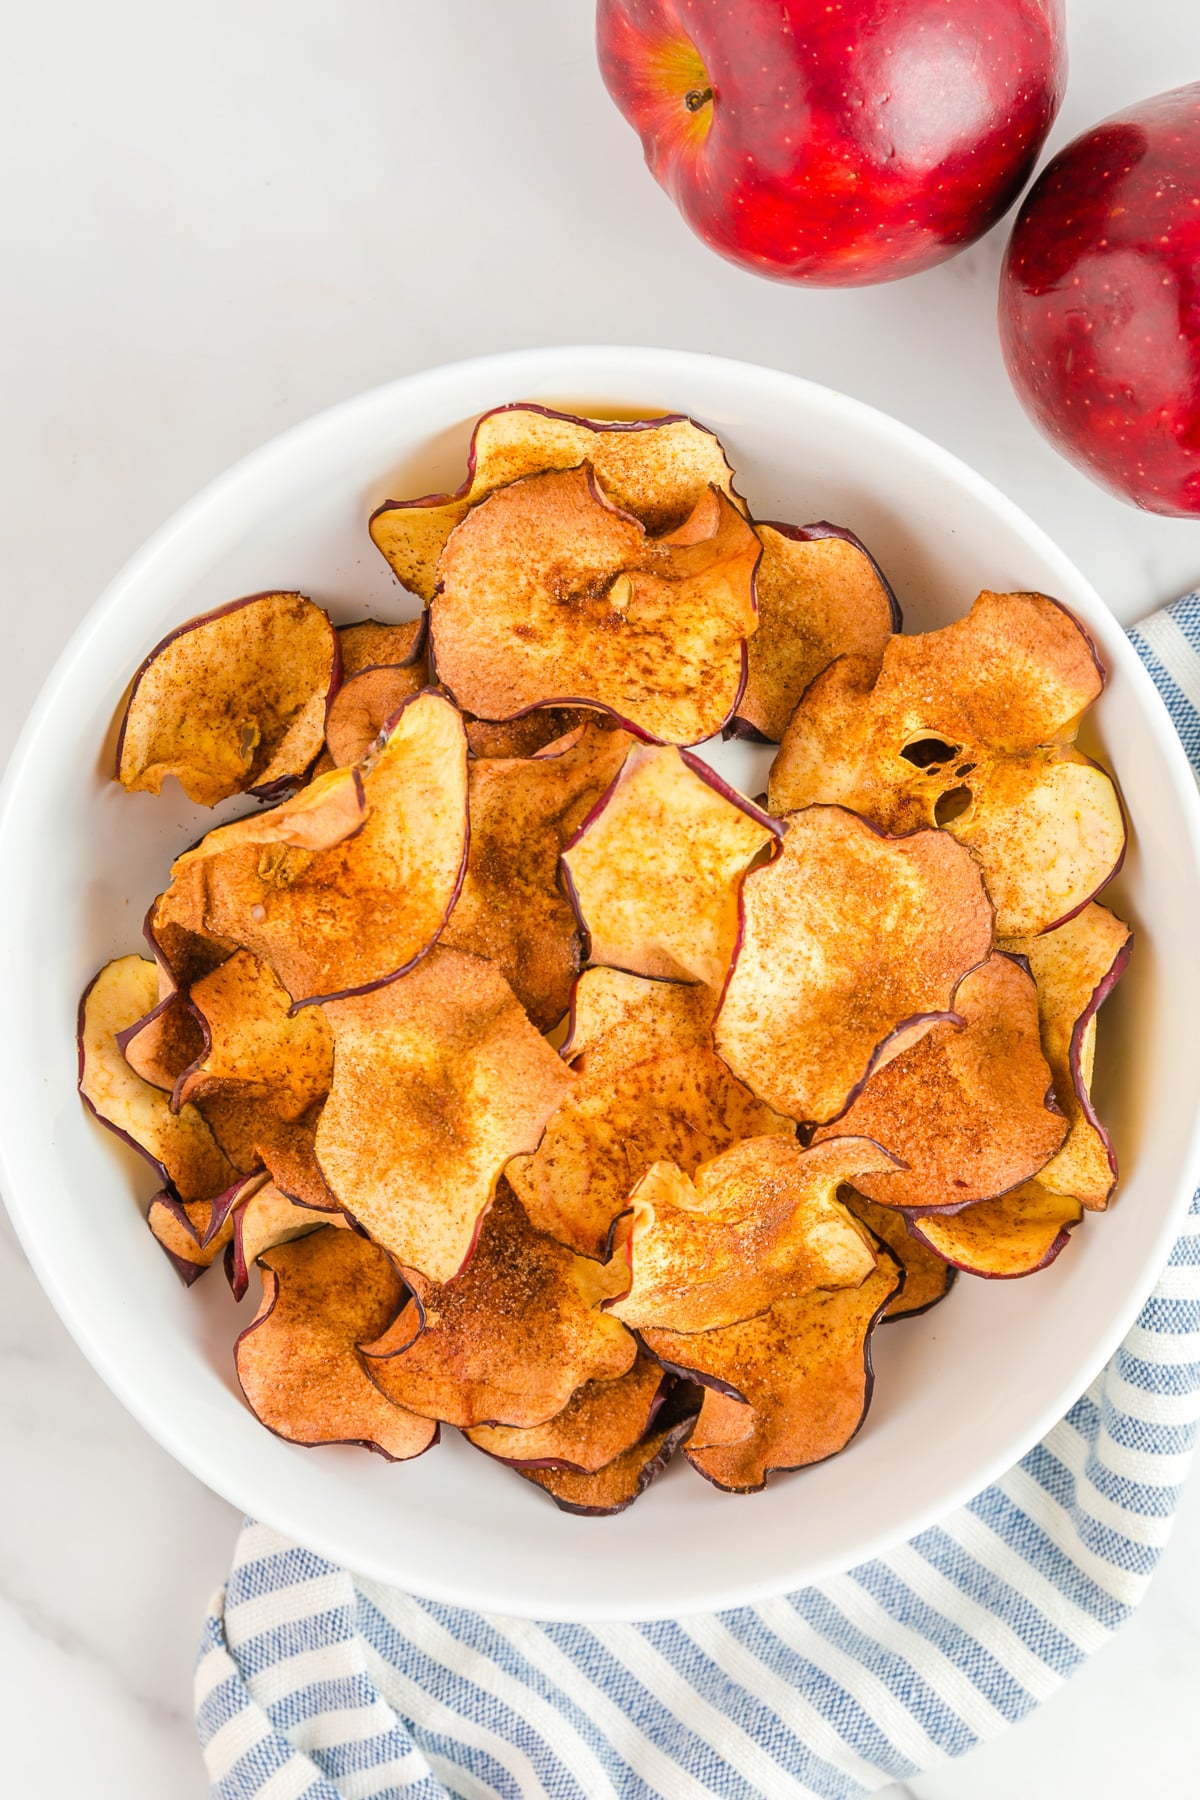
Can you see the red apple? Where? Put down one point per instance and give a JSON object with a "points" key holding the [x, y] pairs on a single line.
{"points": [[837, 141], [1100, 302]]}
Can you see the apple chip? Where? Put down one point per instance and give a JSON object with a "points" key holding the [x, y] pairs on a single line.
{"points": [[231, 701], [928, 1278], [361, 708], [786, 1389], [1076, 967], [511, 910], [617, 1019], [600, 1421], [254, 1046], [548, 592], [820, 595], [655, 869], [530, 732], [1018, 1234], [969, 728], [179, 1145], [261, 1222], [511, 1339], [619, 1483], [298, 1361], [162, 1045], [372, 645], [194, 1233], [852, 944], [336, 914], [970, 1109], [656, 469], [756, 1224], [438, 1080]]}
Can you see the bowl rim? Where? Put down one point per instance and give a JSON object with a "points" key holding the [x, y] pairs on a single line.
{"points": [[245, 490]]}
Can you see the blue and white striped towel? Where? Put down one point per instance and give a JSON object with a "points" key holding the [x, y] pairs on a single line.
{"points": [[312, 1683]]}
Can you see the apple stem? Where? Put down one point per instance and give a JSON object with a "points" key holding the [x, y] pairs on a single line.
{"points": [[695, 98]]}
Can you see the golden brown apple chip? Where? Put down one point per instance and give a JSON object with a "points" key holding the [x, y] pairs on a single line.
{"points": [[656, 469], [758, 1223], [530, 732], [231, 701], [254, 1046], [600, 1421], [969, 1109], [510, 1340], [511, 910], [852, 943], [969, 728], [340, 917], [619, 1483], [160, 1047], [1018, 1234], [1076, 967], [262, 1221], [361, 708], [927, 1277], [618, 1019], [654, 871], [792, 1386], [372, 645], [299, 1363], [179, 1145], [820, 595], [438, 1079], [547, 592]]}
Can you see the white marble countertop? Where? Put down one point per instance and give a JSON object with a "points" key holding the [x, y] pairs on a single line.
{"points": [[220, 218]]}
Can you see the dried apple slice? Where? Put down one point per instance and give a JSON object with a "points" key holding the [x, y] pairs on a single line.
{"points": [[548, 592], [336, 914], [654, 870], [530, 732], [786, 1389], [254, 1046], [511, 1339], [852, 943], [438, 1080], [162, 1045], [756, 1224], [369, 644], [298, 1361], [1076, 967], [261, 1222], [928, 1278], [179, 1145], [656, 469], [617, 1019], [619, 1483], [970, 1109], [820, 595], [1018, 1234], [193, 1233], [232, 701], [511, 910], [362, 706], [600, 1421]]}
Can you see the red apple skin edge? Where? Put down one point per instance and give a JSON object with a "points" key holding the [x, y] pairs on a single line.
{"points": [[1100, 303], [838, 144]]}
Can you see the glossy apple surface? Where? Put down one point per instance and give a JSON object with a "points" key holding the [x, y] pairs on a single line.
{"points": [[836, 143], [1100, 302]]}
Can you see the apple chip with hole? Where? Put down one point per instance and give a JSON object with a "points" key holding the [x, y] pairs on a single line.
{"points": [[654, 872], [852, 944], [511, 910], [1076, 967], [511, 1339], [254, 1046], [970, 728], [232, 701], [339, 894], [600, 1421], [438, 1080], [786, 1389], [970, 1110], [1017, 1234], [299, 1362], [656, 469], [820, 595], [758, 1223], [262, 1221], [178, 1145], [619, 1483], [548, 592], [928, 1278]]}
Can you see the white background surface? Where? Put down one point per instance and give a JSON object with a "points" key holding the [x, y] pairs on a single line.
{"points": [[219, 218]]}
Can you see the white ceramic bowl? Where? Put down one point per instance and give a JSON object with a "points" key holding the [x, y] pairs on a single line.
{"points": [[959, 1395]]}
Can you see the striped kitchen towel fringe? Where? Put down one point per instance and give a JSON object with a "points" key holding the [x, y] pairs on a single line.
{"points": [[313, 1683]]}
